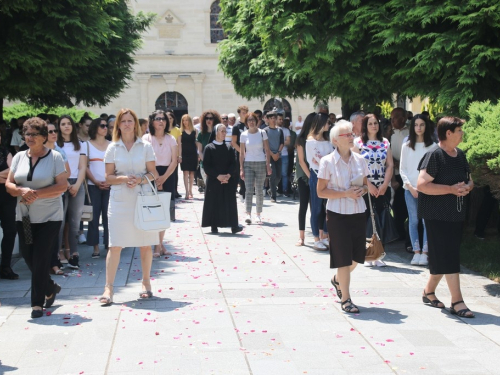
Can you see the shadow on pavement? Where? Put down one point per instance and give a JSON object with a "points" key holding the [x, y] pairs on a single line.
{"points": [[5, 368], [379, 314], [481, 319], [395, 269], [493, 289], [60, 320]]}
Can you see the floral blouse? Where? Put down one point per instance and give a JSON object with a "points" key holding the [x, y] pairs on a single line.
{"points": [[375, 153]]}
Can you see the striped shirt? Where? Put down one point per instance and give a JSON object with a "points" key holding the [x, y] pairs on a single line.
{"points": [[339, 175]]}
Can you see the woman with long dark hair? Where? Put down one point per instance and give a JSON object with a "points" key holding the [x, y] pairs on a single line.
{"points": [[377, 152], [419, 143], [98, 187], [317, 146], [302, 175], [76, 153], [208, 120], [165, 149]]}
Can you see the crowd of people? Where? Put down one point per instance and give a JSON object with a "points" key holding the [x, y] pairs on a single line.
{"points": [[55, 166]]}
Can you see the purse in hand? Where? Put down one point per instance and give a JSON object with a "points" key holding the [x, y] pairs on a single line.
{"points": [[87, 212], [152, 211], [374, 248]]}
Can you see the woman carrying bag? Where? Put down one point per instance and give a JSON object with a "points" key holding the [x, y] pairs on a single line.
{"points": [[128, 158], [376, 150]]}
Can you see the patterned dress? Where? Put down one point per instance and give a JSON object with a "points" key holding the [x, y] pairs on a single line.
{"points": [[375, 153]]}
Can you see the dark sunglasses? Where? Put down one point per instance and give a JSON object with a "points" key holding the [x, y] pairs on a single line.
{"points": [[103, 126], [209, 118], [223, 118], [53, 131], [160, 119]]}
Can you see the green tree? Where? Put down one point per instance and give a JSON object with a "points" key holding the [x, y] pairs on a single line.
{"points": [[447, 50], [313, 48], [65, 52]]}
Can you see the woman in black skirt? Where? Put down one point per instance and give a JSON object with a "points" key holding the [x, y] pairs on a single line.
{"points": [[342, 180], [188, 152], [443, 185]]}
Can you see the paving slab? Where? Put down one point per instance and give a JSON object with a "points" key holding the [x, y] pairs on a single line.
{"points": [[251, 303]]}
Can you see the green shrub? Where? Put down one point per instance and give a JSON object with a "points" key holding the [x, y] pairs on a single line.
{"points": [[482, 136], [22, 109]]}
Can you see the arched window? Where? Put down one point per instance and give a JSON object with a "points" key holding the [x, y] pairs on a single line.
{"points": [[173, 100], [216, 32], [282, 106]]}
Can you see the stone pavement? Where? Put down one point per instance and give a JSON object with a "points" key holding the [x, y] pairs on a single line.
{"points": [[250, 303]]}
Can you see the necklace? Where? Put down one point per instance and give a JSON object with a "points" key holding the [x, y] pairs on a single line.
{"points": [[460, 203]]}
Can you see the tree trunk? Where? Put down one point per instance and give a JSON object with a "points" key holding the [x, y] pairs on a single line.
{"points": [[348, 109]]}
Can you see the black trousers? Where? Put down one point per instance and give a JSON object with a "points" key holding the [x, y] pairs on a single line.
{"points": [[170, 184], [304, 201], [399, 208], [8, 222], [37, 257]]}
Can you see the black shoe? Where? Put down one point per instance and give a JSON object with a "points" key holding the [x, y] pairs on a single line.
{"points": [[36, 314], [96, 255], [215, 230], [239, 228], [7, 273], [177, 195], [73, 262], [50, 301]]}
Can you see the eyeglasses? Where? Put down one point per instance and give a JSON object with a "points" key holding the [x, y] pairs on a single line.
{"points": [[209, 118], [103, 126], [53, 131], [347, 135], [160, 119], [251, 120], [32, 135], [223, 118]]}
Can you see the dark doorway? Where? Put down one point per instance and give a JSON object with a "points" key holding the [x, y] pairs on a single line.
{"points": [[282, 105], [174, 101]]}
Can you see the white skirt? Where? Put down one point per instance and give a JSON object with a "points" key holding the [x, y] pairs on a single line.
{"points": [[121, 211]]}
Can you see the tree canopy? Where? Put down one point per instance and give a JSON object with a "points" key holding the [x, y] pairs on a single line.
{"points": [[64, 52], [363, 51]]}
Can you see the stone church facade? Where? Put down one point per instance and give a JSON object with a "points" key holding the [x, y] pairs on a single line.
{"points": [[177, 66]]}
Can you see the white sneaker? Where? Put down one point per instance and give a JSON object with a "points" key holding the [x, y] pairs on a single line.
{"points": [[319, 245], [379, 263], [82, 238], [416, 259], [424, 261], [368, 264], [326, 242], [248, 219], [258, 220]]}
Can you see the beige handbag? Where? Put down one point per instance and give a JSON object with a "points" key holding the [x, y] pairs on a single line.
{"points": [[374, 248], [87, 212]]}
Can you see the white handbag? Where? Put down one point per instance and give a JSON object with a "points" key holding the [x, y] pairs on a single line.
{"points": [[152, 210]]}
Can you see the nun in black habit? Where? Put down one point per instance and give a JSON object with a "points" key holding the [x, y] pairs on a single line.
{"points": [[219, 161]]}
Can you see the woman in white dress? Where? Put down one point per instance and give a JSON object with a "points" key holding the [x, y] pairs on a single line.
{"points": [[128, 158]]}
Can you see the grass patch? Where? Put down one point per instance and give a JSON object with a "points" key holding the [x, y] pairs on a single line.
{"points": [[481, 256]]}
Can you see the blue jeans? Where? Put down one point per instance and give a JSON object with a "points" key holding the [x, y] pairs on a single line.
{"points": [[100, 202], [412, 205], [284, 172], [318, 213]]}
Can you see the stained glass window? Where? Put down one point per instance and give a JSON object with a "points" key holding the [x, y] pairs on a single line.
{"points": [[216, 32]]}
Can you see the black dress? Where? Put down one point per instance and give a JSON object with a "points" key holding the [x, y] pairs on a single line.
{"points": [[189, 152], [219, 207], [444, 214]]}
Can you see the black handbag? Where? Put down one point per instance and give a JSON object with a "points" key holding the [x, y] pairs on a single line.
{"points": [[384, 223]]}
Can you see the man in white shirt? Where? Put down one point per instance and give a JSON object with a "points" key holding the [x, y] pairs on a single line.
{"points": [[299, 124], [400, 131], [229, 128], [196, 123], [356, 119]]}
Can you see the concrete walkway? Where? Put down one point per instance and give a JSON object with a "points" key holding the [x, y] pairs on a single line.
{"points": [[251, 303]]}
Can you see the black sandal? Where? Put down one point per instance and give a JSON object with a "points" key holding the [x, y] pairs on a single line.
{"points": [[461, 313], [145, 294], [349, 308], [434, 302], [337, 289]]}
